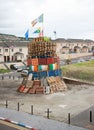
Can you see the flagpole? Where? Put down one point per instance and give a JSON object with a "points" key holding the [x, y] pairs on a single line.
{"points": [[42, 27], [39, 20]]}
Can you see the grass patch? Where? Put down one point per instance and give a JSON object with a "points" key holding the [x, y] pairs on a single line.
{"points": [[4, 70], [83, 71]]}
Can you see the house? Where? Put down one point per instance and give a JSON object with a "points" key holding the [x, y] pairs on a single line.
{"points": [[14, 48], [17, 51]]}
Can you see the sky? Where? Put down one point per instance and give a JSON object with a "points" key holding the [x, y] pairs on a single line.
{"points": [[69, 18]]}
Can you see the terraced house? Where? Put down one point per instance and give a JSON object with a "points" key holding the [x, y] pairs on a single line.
{"points": [[14, 48], [75, 46]]}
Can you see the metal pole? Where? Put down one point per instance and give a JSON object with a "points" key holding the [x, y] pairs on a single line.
{"points": [[18, 106], [6, 104], [32, 109], [2, 77], [13, 77], [90, 116], [9, 76], [48, 113], [68, 118]]}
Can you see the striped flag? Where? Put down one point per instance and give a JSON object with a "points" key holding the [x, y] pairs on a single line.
{"points": [[34, 22], [39, 19], [41, 34]]}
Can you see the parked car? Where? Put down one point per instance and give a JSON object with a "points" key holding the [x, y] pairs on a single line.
{"points": [[13, 67], [24, 73], [80, 60], [20, 68]]}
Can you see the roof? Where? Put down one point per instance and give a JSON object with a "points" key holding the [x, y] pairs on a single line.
{"points": [[15, 44], [60, 40]]}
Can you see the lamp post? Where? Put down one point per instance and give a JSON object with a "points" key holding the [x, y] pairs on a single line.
{"points": [[54, 34]]}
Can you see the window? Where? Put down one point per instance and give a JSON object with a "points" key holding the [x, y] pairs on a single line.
{"points": [[6, 50], [20, 49]]}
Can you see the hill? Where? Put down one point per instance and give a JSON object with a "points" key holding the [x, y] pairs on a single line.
{"points": [[10, 38]]}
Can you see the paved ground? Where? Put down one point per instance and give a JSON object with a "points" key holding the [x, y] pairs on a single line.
{"points": [[75, 100], [37, 122]]}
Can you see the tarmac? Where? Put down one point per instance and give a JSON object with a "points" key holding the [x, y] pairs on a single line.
{"points": [[34, 122]]}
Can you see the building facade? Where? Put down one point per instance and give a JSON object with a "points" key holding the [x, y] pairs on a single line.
{"points": [[74, 46], [14, 49], [11, 52]]}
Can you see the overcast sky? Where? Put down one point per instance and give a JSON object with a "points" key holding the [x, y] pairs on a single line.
{"points": [[69, 18]]}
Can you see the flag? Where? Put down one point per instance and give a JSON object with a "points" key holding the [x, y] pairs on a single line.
{"points": [[40, 18], [27, 34], [41, 34], [37, 31], [34, 22]]}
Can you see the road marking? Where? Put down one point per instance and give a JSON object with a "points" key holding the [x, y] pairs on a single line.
{"points": [[12, 125]]}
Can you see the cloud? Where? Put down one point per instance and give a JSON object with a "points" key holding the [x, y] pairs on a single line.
{"points": [[70, 18]]}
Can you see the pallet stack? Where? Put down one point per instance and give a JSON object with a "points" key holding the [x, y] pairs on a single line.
{"points": [[43, 64], [56, 84], [40, 48]]}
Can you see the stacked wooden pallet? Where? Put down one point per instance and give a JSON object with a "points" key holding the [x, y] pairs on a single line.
{"points": [[30, 86], [56, 84], [39, 47], [44, 71]]}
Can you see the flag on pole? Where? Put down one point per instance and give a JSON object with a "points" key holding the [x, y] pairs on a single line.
{"points": [[34, 22], [37, 31], [27, 34], [41, 33], [39, 19]]}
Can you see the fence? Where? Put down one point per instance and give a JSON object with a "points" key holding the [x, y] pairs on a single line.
{"points": [[13, 77]]}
